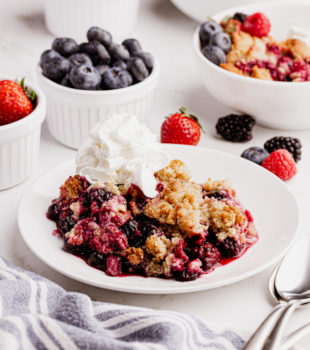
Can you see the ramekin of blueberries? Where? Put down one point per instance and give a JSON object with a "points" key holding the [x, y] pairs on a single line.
{"points": [[85, 83], [99, 64]]}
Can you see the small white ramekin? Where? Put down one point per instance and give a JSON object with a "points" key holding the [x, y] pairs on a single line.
{"points": [[72, 18], [72, 113], [20, 143]]}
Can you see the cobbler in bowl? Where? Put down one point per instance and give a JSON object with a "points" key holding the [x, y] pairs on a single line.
{"points": [[186, 231]]}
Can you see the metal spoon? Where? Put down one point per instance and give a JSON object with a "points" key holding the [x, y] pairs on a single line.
{"points": [[296, 291]]}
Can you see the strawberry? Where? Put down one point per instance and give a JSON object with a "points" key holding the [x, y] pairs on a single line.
{"points": [[281, 163], [14, 103], [181, 128], [256, 25]]}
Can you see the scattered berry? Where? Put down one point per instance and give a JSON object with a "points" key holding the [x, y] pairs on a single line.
{"points": [[239, 16], [56, 68], [96, 51], [232, 25], [133, 46], [48, 55], [99, 34], [207, 29], [292, 144], [221, 40], [214, 54], [85, 77], [255, 154], [77, 59], [181, 128], [116, 78], [236, 128], [256, 25], [137, 68], [281, 163], [119, 52], [65, 46], [14, 104], [147, 58]]}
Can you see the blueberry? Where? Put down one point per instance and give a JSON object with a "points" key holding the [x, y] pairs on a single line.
{"points": [[147, 58], [78, 59], [47, 55], [221, 40], [138, 68], [56, 68], [102, 68], [132, 45], [119, 52], [65, 46], [255, 154], [96, 51], [120, 64], [116, 78], [207, 29], [85, 77], [65, 81], [99, 34], [214, 54]]}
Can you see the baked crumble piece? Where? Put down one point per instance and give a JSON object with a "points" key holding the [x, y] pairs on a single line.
{"points": [[184, 232]]}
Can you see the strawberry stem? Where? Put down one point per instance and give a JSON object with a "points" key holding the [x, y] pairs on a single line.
{"points": [[31, 95], [183, 110]]}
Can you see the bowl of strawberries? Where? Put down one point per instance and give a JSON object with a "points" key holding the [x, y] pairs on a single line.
{"points": [[22, 111]]}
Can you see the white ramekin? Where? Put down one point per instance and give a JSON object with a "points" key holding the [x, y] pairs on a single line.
{"points": [[72, 18], [20, 143], [275, 104], [71, 113]]}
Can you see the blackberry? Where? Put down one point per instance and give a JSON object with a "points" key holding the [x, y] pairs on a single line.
{"points": [[66, 224], [230, 248], [235, 128], [239, 16], [53, 212], [293, 145], [217, 194], [97, 260], [185, 275], [131, 230]]}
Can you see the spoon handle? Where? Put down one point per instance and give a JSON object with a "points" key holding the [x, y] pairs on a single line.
{"points": [[274, 340], [258, 339]]}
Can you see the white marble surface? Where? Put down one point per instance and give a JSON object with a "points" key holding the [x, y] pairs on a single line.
{"points": [[167, 33]]}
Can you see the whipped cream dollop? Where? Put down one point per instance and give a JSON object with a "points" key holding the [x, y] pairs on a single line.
{"points": [[125, 150], [301, 34]]}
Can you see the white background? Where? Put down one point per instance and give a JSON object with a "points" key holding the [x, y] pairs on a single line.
{"points": [[167, 33]]}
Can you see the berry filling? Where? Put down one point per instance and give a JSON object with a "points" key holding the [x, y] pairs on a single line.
{"points": [[186, 231]]}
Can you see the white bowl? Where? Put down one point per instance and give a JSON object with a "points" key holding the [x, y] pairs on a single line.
{"points": [[20, 143], [71, 113], [72, 18], [199, 10], [280, 105]]}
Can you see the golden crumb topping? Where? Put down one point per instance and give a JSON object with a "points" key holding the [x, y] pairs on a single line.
{"points": [[134, 255], [297, 48], [72, 187], [175, 170], [158, 246], [261, 73]]}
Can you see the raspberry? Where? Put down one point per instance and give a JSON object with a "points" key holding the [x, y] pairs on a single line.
{"points": [[256, 25], [292, 144], [281, 163], [235, 128]]}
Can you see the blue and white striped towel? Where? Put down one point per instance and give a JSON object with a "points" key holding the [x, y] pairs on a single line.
{"points": [[35, 313]]}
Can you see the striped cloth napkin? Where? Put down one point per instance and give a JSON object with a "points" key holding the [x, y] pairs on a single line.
{"points": [[35, 313]]}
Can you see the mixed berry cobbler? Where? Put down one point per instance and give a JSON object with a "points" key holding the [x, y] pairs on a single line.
{"points": [[241, 44], [185, 231]]}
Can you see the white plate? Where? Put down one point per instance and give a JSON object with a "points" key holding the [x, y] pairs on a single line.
{"points": [[274, 208]]}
